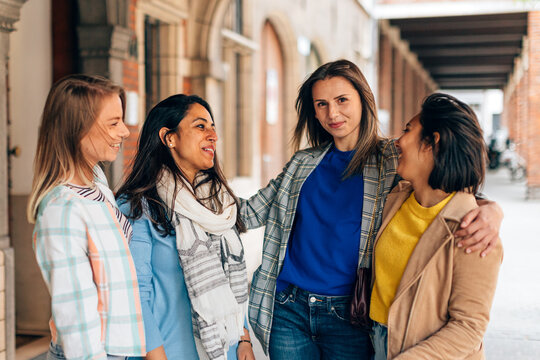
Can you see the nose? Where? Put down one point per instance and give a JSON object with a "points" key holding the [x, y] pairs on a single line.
{"points": [[212, 135], [124, 131], [332, 110], [397, 143]]}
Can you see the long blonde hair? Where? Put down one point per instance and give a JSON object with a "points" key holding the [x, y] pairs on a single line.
{"points": [[72, 107]]}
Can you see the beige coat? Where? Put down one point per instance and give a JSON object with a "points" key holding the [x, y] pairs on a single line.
{"points": [[441, 307]]}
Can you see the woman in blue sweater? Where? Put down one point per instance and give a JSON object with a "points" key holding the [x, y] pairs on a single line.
{"points": [[187, 252], [321, 216]]}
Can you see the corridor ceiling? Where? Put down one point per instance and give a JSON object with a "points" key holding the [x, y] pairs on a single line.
{"points": [[466, 52]]}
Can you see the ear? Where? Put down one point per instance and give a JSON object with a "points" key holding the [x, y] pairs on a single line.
{"points": [[166, 139], [436, 138]]}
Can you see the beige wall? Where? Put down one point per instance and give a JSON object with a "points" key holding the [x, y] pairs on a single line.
{"points": [[30, 78]]}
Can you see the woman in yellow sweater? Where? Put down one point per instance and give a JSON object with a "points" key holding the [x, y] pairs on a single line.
{"points": [[431, 300]]}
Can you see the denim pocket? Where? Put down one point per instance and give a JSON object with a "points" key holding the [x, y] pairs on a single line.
{"points": [[282, 297], [55, 352], [341, 311]]}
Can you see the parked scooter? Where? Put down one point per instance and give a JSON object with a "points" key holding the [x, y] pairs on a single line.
{"points": [[514, 162]]}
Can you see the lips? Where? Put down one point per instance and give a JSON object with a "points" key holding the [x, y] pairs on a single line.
{"points": [[336, 125], [209, 149]]}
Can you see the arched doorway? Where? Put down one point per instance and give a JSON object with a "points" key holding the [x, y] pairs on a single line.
{"points": [[272, 125]]}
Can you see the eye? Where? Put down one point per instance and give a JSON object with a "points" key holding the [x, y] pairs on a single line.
{"points": [[342, 100], [200, 126], [320, 104]]}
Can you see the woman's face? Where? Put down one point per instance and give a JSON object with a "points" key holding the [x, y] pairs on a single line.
{"points": [[102, 142], [193, 145], [339, 109], [415, 161]]}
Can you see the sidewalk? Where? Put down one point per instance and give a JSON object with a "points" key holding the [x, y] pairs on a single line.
{"points": [[514, 329]]}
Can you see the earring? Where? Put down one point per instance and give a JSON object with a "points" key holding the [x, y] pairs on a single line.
{"points": [[170, 145]]}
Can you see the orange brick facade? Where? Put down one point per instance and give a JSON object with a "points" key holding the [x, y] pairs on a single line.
{"points": [[130, 82], [521, 112], [401, 87]]}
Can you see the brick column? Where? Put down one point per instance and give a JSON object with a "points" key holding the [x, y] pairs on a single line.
{"points": [[532, 128], [385, 74], [397, 93], [130, 81], [408, 93]]}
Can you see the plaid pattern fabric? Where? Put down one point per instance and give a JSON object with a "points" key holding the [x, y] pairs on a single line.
{"points": [[275, 207], [84, 258]]}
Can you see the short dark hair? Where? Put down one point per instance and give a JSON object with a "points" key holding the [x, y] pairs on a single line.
{"points": [[460, 154], [368, 138]]}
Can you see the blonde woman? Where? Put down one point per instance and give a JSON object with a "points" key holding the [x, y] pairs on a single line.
{"points": [[80, 237]]}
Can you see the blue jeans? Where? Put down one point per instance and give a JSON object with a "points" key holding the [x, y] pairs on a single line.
{"points": [[310, 326], [379, 337], [57, 353]]}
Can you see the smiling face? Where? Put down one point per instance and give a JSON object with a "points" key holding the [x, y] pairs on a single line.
{"points": [[193, 145], [103, 140], [339, 110], [415, 156]]}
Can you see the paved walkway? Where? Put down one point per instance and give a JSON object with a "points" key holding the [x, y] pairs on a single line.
{"points": [[514, 329]]}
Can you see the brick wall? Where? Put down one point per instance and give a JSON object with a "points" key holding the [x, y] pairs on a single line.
{"points": [[402, 87], [521, 113], [130, 82], [531, 123], [2, 307]]}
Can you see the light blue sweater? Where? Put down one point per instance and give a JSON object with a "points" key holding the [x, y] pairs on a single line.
{"points": [[164, 298]]}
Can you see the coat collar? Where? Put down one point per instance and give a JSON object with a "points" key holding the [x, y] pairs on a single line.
{"points": [[438, 233]]}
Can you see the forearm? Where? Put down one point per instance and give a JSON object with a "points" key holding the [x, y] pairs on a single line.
{"points": [[156, 354]]}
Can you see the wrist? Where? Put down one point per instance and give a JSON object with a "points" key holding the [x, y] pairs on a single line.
{"points": [[244, 341]]}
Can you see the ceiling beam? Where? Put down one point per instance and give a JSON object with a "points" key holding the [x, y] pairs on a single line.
{"points": [[462, 24], [465, 39], [425, 52], [469, 69], [467, 60]]}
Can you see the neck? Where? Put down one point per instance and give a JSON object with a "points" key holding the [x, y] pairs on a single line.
{"points": [[343, 145], [427, 196], [77, 179]]}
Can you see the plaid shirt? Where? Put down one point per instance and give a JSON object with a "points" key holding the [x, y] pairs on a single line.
{"points": [[275, 207], [84, 258]]}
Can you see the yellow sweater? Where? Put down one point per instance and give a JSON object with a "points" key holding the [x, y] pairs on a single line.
{"points": [[393, 250]]}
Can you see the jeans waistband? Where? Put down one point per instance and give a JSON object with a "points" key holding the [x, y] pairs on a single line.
{"points": [[299, 294]]}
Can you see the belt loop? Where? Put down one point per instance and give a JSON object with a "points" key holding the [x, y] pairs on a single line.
{"points": [[329, 304], [294, 292]]}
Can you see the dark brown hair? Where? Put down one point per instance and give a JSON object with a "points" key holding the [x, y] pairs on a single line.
{"points": [[316, 135], [153, 155], [460, 154]]}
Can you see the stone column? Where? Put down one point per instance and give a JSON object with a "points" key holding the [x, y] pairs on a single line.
{"points": [[104, 44], [9, 14]]}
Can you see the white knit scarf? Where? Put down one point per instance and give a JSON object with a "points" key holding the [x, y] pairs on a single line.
{"points": [[214, 266]]}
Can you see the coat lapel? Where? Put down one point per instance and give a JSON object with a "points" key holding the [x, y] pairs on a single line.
{"points": [[438, 233]]}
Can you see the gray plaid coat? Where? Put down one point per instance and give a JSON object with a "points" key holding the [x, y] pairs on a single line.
{"points": [[275, 207]]}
